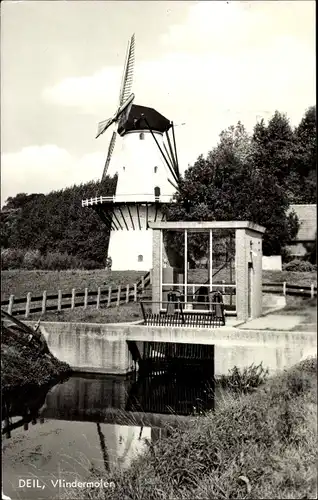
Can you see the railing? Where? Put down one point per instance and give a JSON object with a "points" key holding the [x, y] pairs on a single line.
{"points": [[175, 314], [140, 197], [115, 296], [108, 296], [286, 289]]}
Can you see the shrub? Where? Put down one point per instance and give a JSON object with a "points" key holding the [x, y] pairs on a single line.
{"points": [[57, 261], [12, 258], [31, 259], [299, 266], [246, 380]]}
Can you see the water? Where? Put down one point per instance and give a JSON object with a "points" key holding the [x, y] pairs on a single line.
{"points": [[94, 422]]}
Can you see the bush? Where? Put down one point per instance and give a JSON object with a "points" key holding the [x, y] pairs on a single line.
{"points": [[52, 261], [297, 265], [12, 258], [244, 381], [31, 259]]}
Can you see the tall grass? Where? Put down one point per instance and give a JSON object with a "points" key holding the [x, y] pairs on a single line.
{"points": [[254, 446], [52, 261]]}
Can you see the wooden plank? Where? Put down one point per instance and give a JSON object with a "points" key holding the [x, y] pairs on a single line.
{"points": [[44, 299], [27, 306], [98, 298], [10, 306], [59, 300], [118, 296], [109, 296], [85, 297]]}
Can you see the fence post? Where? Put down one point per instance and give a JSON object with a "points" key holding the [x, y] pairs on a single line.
{"points": [[223, 287], [28, 303], [142, 285], [59, 300], [284, 288], [127, 294], [135, 292], [98, 298], [118, 295], [10, 306], [312, 290], [109, 296], [44, 302], [73, 298], [85, 298]]}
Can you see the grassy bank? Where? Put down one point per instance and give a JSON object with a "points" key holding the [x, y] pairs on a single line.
{"points": [[22, 367], [124, 313], [20, 282], [256, 446]]}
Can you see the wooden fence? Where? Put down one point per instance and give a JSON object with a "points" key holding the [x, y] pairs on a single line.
{"points": [[286, 289], [103, 296], [115, 296]]}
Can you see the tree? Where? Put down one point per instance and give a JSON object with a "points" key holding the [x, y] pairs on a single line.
{"points": [[242, 178], [58, 222], [303, 174]]}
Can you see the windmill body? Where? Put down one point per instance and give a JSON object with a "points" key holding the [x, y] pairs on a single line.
{"points": [[146, 165]]}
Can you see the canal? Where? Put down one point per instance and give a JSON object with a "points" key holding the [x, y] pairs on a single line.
{"points": [[90, 422]]}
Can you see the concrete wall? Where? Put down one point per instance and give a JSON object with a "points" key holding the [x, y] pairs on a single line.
{"points": [[103, 348], [89, 347]]}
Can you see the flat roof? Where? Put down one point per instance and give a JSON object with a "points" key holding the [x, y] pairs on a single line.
{"points": [[197, 226]]}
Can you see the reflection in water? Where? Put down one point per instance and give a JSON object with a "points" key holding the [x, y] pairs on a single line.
{"points": [[96, 422]]}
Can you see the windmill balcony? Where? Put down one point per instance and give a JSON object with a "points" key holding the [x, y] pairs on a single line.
{"points": [[124, 198]]}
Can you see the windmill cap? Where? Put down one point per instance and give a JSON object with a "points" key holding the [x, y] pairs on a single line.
{"points": [[140, 117]]}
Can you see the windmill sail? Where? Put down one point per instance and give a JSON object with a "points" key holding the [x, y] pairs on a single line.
{"points": [[125, 101], [109, 154], [102, 126], [128, 74]]}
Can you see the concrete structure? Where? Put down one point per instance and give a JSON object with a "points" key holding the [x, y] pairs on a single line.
{"points": [[103, 348], [307, 233], [248, 262]]}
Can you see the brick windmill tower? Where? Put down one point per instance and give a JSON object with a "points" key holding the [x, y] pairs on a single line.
{"points": [[148, 175]]}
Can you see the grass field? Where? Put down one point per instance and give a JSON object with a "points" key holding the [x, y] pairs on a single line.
{"points": [[257, 446], [20, 282]]}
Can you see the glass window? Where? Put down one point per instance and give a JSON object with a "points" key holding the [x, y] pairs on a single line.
{"points": [[141, 136], [140, 258]]}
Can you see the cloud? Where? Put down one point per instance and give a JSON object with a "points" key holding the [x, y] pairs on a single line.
{"points": [[226, 55], [46, 168], [227, 61]]}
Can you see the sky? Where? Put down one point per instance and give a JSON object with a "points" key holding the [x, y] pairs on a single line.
{"points": [[206, 64]]}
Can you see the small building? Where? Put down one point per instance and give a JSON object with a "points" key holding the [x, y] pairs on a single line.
{"points": [[307, 233]]}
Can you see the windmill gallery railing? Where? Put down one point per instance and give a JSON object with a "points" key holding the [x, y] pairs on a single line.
{"points": [[140, 197]]}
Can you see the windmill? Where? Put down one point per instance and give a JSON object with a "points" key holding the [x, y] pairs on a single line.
{"points": [[125, 100], [148, 175]]}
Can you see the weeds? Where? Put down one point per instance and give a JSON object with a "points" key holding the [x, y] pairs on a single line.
{"points": [[246, 380], [255, 445]]}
